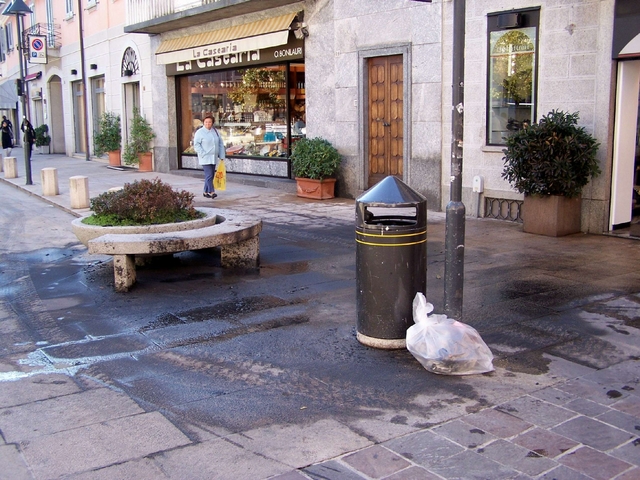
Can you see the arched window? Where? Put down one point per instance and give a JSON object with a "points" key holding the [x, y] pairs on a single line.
{"points": [[130, 65]]}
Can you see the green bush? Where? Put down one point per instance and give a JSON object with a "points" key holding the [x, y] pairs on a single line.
{"points": [[108, 136], [551, 157], [314, 158], [140, 137], [42, 135], [143, 202]]}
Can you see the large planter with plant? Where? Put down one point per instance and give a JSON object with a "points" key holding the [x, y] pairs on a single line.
{"points": [[43, 140], [108, 138], [137, 150], [315, 163], [550, 162]]}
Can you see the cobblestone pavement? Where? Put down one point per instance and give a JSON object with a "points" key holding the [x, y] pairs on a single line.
{"points": [[561, 316]]}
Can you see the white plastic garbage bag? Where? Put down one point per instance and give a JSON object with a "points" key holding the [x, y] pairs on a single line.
{"points": [[444, 345]]}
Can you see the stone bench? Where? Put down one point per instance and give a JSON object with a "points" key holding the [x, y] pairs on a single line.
{"points": [[236, 233]]}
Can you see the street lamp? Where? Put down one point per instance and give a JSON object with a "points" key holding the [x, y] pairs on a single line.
{"points": [[19, 9]]}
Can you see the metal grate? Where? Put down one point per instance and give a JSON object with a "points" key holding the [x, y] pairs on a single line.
{"points": [[503, 209]]}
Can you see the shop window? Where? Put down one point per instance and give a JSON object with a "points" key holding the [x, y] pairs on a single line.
{"points": [[259, 111], [512, 75], [9, 31]]}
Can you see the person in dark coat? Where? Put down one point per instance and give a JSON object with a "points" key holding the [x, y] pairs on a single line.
{"points": [[29, 137], [7, 138]]}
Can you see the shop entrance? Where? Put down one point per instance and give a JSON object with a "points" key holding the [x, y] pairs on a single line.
{"points": [[386, 122]]}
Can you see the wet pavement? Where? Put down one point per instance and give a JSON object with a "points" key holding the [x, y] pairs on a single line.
{"points": [[201, 372]]}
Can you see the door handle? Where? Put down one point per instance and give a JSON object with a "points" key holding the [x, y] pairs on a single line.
{"points": [[385, 124]]}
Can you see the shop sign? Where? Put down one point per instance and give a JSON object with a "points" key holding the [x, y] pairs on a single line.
{"points": [[220, 60]]}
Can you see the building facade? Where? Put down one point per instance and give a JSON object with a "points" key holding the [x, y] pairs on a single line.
{"points": [[373, 77]]}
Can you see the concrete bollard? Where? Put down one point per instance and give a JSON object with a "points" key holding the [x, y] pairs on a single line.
{"points": [[1, 163], [10, 167], [79, 191], [49, 178]]}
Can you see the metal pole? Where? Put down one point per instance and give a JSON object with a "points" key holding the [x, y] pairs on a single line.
{"points": [[84, 84], [455, 211], [25, 148]]}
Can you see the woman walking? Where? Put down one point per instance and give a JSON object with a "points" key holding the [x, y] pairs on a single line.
{"points": [[7, 138], [209, 146]]}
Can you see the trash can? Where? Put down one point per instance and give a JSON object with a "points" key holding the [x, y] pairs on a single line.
{"points": [[391, 261]]}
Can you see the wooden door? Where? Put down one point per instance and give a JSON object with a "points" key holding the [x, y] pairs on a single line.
{"points": [[386, 94]]}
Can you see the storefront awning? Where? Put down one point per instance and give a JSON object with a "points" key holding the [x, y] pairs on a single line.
{"points": [[8, 95], [267, 33]]}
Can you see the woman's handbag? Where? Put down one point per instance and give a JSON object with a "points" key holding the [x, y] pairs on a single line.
{"points": [[220, 178]]}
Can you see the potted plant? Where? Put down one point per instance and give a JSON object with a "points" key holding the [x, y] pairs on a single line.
{"points": [[137, 150], [108, 137], [550, 162], [315, 162], [43, 140]]}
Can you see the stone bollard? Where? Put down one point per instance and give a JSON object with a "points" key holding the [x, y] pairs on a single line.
{"points": [[49, 178], [1, 163], [79, 191], [10, 167]]}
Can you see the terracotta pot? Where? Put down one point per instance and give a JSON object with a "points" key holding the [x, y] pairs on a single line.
{"points": [[114, 158], [551, 215], [316, 189], [146, 162]]}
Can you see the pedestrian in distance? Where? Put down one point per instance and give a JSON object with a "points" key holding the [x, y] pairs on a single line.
{"points": [[29, 137], [5, 119], [7, 138], [209, 146]]}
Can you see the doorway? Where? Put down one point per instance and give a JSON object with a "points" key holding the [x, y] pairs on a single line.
{"points": [[385, 104], [131, 102], [80, 123], [56, 123]]}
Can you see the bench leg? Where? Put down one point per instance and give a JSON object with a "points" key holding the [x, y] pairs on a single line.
{"points": [[242, 254], [124, 271]]}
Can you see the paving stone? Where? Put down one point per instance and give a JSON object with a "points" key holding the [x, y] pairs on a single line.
{"points": [[413, 473], [545, 442], [471, 465], [100, 445], [331, 470], [633, 474], [623, 375], [35, 388], [595, 464], [591, 432], [424, 448], [143, 469], [518, 458], [464, 434], [630, 405], [602, 394], [45, 417], [13, 466], [536, 411], [293, 475], [564, 473], [219, 459], [376, 461], [621, 420], [495, 422], [553, 395], [629, 452], [586, 407]]}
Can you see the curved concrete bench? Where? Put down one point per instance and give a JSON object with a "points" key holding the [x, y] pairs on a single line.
{"points": [[236, 233]]}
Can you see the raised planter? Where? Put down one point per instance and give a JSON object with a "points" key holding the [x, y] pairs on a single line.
{"points": [[146, 162], [551, 215], [316, 189], [86, 232]]}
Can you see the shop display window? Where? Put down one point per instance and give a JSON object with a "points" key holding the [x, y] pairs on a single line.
{"points": [[512, 73], [258, 111]]}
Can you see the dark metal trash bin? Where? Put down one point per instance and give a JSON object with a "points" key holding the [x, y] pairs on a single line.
{"points": [[391, 261]]}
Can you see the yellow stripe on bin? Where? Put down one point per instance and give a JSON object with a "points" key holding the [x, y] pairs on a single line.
{"points": [[391, 244], [422, 232]]}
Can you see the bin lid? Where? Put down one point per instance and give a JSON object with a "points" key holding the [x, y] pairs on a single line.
{"points": [[391, 191]]}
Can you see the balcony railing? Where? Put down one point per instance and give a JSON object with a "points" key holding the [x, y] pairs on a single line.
{"points": [[140, 11]]}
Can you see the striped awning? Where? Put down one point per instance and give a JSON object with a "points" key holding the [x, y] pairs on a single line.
{"points": [[266, 33]]}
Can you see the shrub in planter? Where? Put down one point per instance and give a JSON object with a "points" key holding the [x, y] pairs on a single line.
{"points": [[108, 137], [42, 136], [315, 158], [140, 137], [143, 202], [551, 157]]}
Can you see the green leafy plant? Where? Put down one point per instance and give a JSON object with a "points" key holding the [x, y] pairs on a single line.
{"points": [[143, 202], [140, 137], [108, 136], [551, 157], [42, 135], [315, 158]]}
